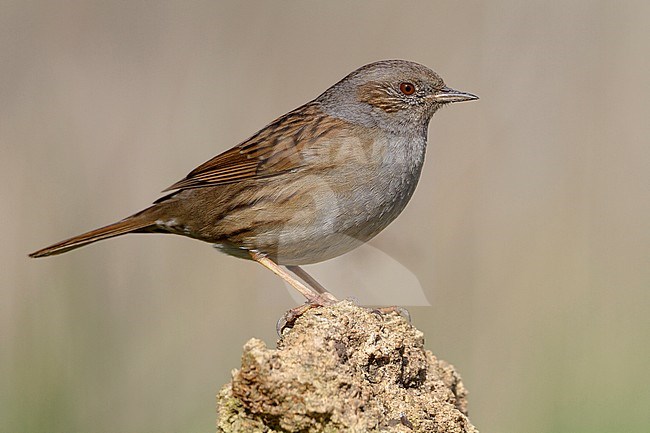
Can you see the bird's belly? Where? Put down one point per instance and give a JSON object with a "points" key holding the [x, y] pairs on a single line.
{"points": [[320, 223], [295, 243]]}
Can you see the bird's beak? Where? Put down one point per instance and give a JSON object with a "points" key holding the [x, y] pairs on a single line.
{"points": [[447, 94]]}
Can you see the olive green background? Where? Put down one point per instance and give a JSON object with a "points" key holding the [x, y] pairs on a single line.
{"points": [[529, 233]]}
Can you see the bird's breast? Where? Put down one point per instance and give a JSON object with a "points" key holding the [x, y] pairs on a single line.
{"points": [[387, 184]]}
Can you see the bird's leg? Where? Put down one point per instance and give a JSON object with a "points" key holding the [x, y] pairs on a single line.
{"points": [[323, 298], [314, 297], [311, 281], [311, 295]]}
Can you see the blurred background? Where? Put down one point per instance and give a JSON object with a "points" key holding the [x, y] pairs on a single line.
{"points": [[529, 233]]}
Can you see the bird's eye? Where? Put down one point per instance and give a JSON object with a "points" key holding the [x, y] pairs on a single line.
{"points": [[407, 88]]}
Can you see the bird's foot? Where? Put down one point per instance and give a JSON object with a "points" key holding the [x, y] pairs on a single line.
{"points": [[393, 309], [289, 318]]}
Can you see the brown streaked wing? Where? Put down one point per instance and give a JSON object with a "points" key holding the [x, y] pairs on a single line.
{"points": [[273, 150]]}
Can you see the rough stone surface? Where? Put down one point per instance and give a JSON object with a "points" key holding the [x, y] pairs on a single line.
{"points": [[344, 369]]}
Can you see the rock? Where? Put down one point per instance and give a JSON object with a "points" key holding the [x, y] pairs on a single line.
{"points": [[344, 368]]}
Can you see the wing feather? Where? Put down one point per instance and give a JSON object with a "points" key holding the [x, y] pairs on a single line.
{"points": [[273, 150]]}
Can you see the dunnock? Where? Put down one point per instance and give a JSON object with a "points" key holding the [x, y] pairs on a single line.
{"points": [[313, 184]]}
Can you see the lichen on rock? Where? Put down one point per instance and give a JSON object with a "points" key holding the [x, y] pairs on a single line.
{"points": [[344, 368]]}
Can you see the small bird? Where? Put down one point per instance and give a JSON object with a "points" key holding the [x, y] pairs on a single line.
{"points": [[313, 184]]}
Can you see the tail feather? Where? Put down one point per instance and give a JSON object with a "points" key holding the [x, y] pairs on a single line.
{"points": [[128, 225]]}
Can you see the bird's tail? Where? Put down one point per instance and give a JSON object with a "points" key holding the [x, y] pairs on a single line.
{"points": [[138, 222]]}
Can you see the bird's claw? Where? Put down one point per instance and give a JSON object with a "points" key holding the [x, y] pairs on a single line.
{"points": [[288, 319]]}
